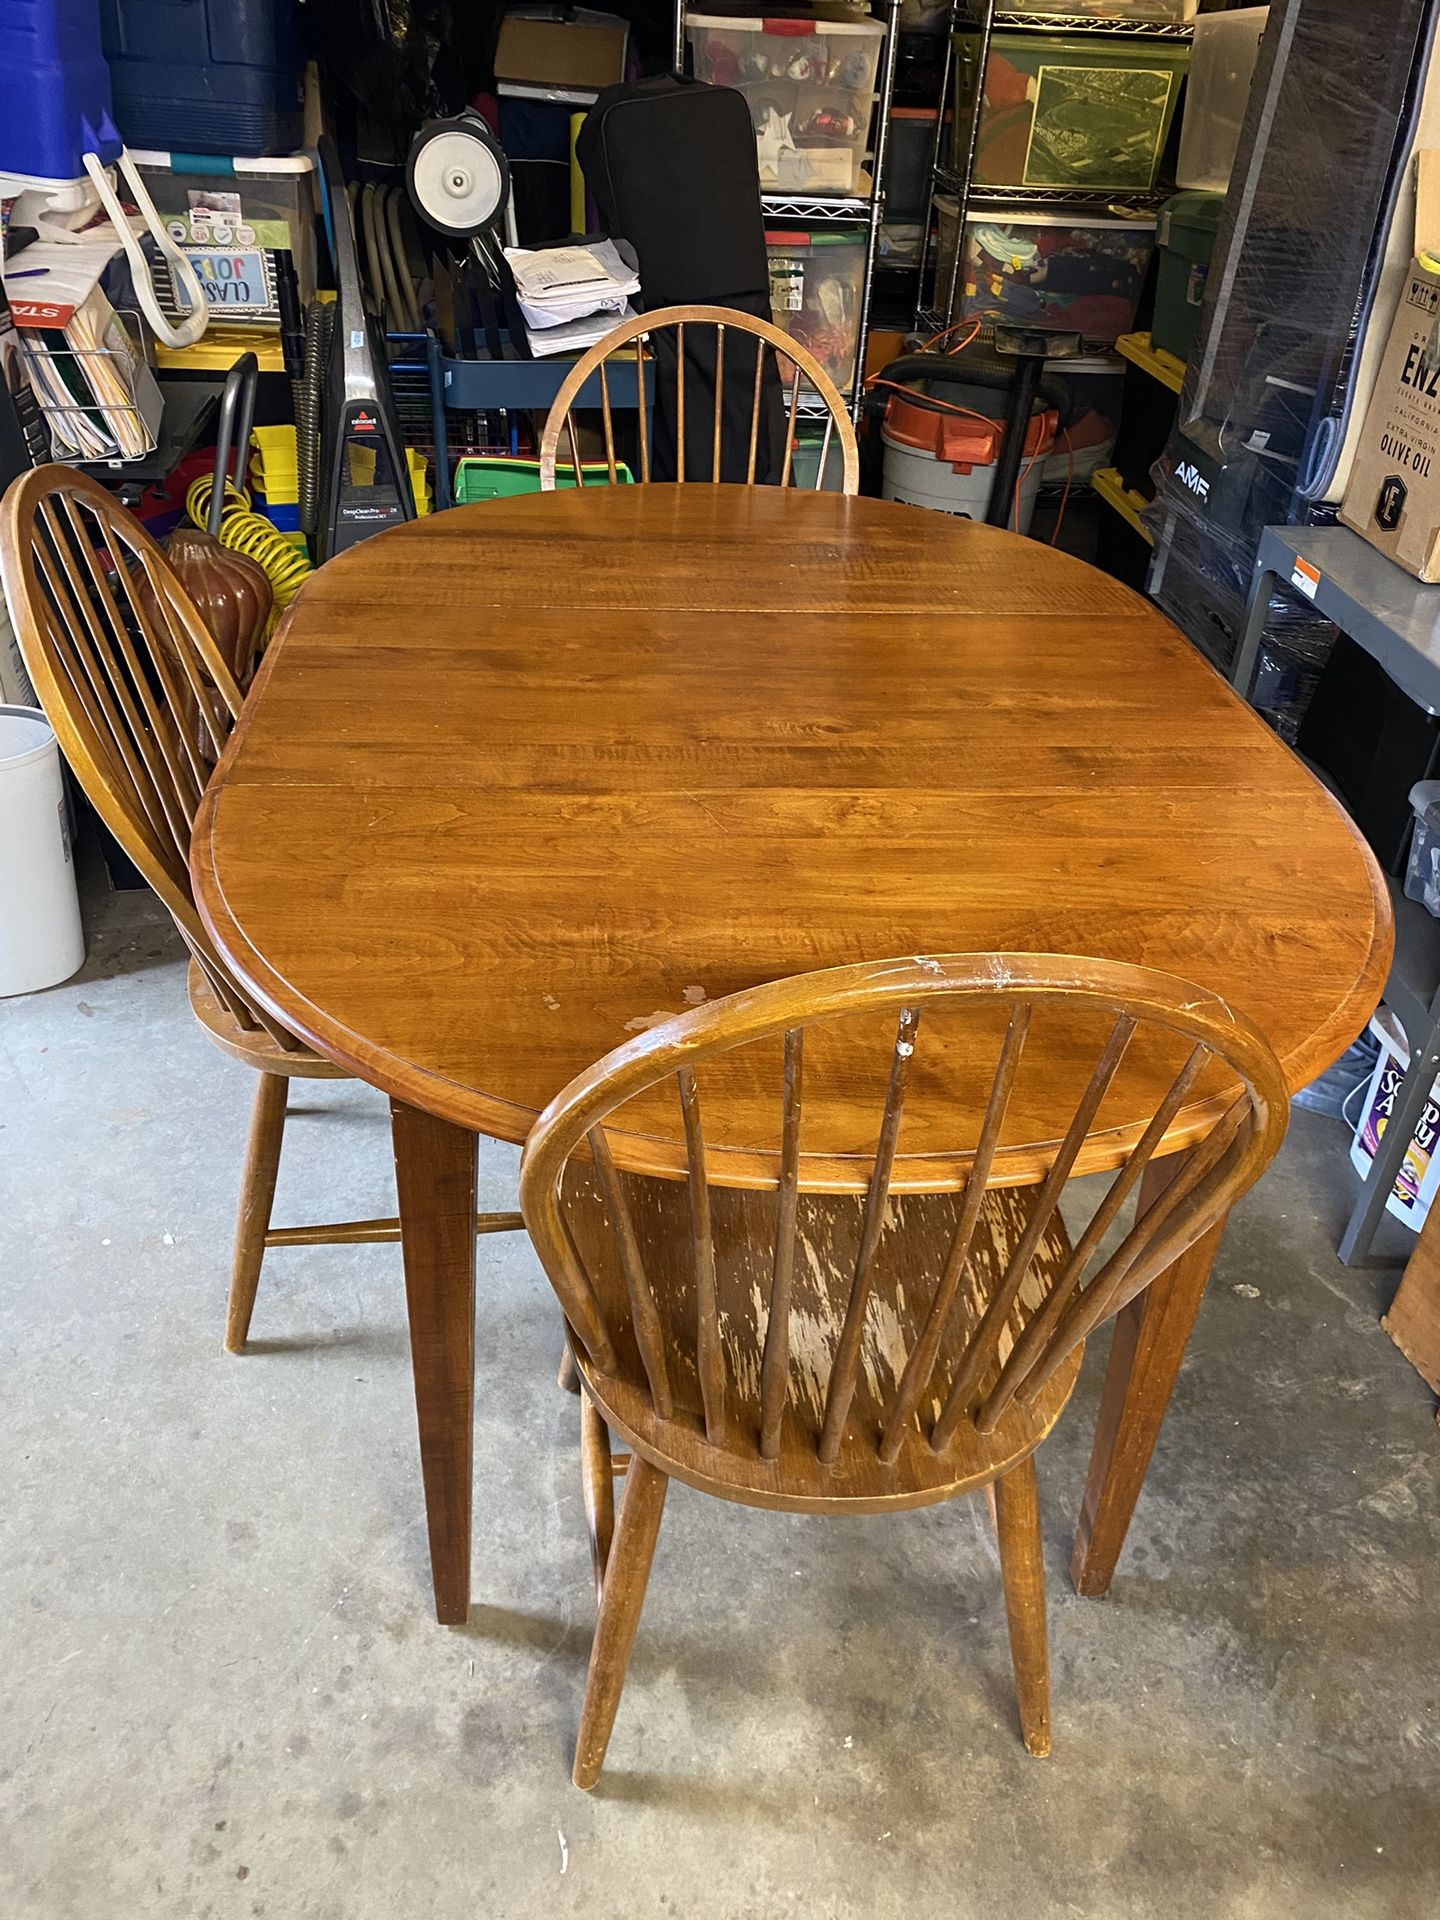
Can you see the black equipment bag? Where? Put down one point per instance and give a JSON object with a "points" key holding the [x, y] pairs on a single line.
{"points": [[671, 165]]}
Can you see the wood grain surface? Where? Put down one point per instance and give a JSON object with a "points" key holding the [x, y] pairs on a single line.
{"points": [[519, 779]]}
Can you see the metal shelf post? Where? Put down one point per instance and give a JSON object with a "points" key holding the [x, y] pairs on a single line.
{"points": [[983, 17]]}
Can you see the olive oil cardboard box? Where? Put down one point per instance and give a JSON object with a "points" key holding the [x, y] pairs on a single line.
{"points": [[1394, 493]]}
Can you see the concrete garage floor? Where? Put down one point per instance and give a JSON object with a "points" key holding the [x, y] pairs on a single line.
{"points": [[222, 1693]]}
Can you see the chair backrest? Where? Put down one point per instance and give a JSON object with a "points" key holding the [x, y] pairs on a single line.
{"points": [[1217, 1089], [130, 679], [722, 323]]}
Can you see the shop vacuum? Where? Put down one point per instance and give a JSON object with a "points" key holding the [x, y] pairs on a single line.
{"points": [[1014, 382], [364, 482]]}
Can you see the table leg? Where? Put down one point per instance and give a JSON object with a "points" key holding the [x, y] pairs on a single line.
{"points": [[1145, 1355], [435, 1176]]}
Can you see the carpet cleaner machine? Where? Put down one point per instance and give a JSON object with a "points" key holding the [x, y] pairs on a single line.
{"points": [[364, 485], [60, 153], [353, 476]]}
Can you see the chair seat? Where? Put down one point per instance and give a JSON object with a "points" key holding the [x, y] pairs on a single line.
{"points": [[253, 1045], [911, 1257]]}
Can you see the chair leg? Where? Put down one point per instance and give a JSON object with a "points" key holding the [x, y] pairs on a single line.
{"points": [[1022, 1569], [568, 1378], [626, 1576], [597, 1480], [257, 1196]]}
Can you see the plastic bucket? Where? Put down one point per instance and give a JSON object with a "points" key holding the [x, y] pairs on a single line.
{"points": [[41, 939], [1419, 1175]]}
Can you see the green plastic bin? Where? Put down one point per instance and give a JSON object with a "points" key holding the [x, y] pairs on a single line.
{"points": [[1186, 239], [1066, 110], [499, 477]]}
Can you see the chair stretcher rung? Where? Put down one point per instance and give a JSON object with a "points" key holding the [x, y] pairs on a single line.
{"points": [[362, 1233]]}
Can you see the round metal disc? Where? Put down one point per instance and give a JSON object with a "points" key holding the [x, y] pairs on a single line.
{"points": [[457, 177]]}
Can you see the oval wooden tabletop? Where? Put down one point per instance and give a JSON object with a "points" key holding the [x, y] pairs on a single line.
{"points": [[518, 780]]}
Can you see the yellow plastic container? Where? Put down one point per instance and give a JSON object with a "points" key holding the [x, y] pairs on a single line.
{"points": [[419, 470], [274, 464]]}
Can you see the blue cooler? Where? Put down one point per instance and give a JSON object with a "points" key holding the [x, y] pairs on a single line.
{"points": [[54, 91], [205, 76]]}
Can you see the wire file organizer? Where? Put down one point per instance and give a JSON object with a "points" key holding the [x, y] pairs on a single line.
{"points": [[100, 403]]}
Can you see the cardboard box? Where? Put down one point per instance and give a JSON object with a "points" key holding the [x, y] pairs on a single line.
{"points": [[1413, 1321], [1393, 495], [581, 54]]}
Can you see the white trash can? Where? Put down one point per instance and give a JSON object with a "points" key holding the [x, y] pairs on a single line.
{"points": [[41, 939]]}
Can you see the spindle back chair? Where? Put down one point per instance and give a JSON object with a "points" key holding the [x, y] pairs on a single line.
{"points": [[142, 703], [132, 682], [822, 1351], [723, 322]]}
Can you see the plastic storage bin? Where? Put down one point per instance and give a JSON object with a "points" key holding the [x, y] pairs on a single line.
{"points": [[901, 244], [1185, 236], [1422, 875], [269, 209], [1067, 110], [1222, 64], [41, 940], [206, 76], [1097, 389], [810, 87], [817, 285], [480, 477], [805, 461], [1067, 270]]}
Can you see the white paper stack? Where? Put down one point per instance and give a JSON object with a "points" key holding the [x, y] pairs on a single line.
{"points": [[570, 297], [98, 396]]}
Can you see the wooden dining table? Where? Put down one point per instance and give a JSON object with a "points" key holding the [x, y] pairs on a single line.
{"points": [[518, 780]]}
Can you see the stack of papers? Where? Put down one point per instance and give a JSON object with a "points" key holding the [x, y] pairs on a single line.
{"points": [[98, 396], [570, 297]]}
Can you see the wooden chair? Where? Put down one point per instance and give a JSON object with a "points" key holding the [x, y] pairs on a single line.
{"points": [[724, 322], [834, 1333], [142, 704]]}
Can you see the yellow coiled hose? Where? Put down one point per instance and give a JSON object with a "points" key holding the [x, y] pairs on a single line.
{"points": [[285, 565]]}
